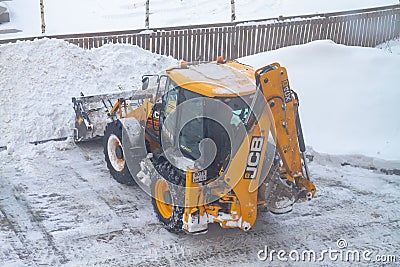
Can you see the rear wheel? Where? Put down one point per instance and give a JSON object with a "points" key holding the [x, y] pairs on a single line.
{"points": [[279, 193], [164, 197], [114, 153]]}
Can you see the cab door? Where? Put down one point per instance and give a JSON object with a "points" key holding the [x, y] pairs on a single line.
{"points": [[169, 104]]}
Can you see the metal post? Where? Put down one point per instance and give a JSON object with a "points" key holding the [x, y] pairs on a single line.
{"points": [[42, 16], [147, 21], [233, 14]]}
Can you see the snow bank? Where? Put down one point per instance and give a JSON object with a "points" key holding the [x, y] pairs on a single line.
{"points": [[38, 79], [348, 96], [392, 46]]}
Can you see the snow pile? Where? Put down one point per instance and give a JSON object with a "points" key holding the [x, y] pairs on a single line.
{"points": [[359, 161], [348, 96], [392, 46], [38, 79]]}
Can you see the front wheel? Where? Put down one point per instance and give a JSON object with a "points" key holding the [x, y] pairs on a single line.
{"points": [[114, 153], [164, 197]]}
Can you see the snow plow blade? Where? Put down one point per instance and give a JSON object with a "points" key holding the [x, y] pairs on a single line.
{"points": [[92, 112]]}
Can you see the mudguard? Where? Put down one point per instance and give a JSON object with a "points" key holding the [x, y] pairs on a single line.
{"points": [[133, 140]]}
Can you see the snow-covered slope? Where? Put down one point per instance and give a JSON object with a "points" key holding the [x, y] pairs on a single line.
{"points": [[348, 96], [38, 80], [99, 15]]}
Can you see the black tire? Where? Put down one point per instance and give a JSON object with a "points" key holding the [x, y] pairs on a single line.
{"points": [[123, 176], [173, 223]]}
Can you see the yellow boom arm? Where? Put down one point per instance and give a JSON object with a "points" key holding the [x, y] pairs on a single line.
{"points": [[273, 81]]}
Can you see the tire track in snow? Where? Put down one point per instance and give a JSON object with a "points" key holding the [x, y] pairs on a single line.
{"points": [[94, 220], [28, 229], [233, 246], [114, 222]]}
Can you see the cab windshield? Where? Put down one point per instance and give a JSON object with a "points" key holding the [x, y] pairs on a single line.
{"points": [[199, 128]]}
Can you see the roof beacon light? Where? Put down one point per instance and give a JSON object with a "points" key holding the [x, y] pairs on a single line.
{"points": [[184, 64], [221, 60]]}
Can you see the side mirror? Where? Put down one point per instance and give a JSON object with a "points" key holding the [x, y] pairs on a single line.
{"points": [[145, 83]]}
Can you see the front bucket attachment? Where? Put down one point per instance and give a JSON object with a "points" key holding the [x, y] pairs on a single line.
{"points": [[92, 112]]}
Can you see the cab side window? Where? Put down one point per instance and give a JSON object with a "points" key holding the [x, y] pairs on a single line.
{"points": [[170, 101]]}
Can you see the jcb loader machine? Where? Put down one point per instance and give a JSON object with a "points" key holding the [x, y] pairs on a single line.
{"points": [[211, 142]]}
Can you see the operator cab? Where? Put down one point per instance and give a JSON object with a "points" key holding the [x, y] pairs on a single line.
{"points": [[198, 84]]}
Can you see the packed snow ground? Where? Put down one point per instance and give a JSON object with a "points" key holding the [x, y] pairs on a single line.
{"points": [[60, 206], [100, 15]]}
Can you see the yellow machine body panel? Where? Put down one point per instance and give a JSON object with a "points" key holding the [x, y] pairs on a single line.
{"points": [[215, 80], [283, 105]]}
